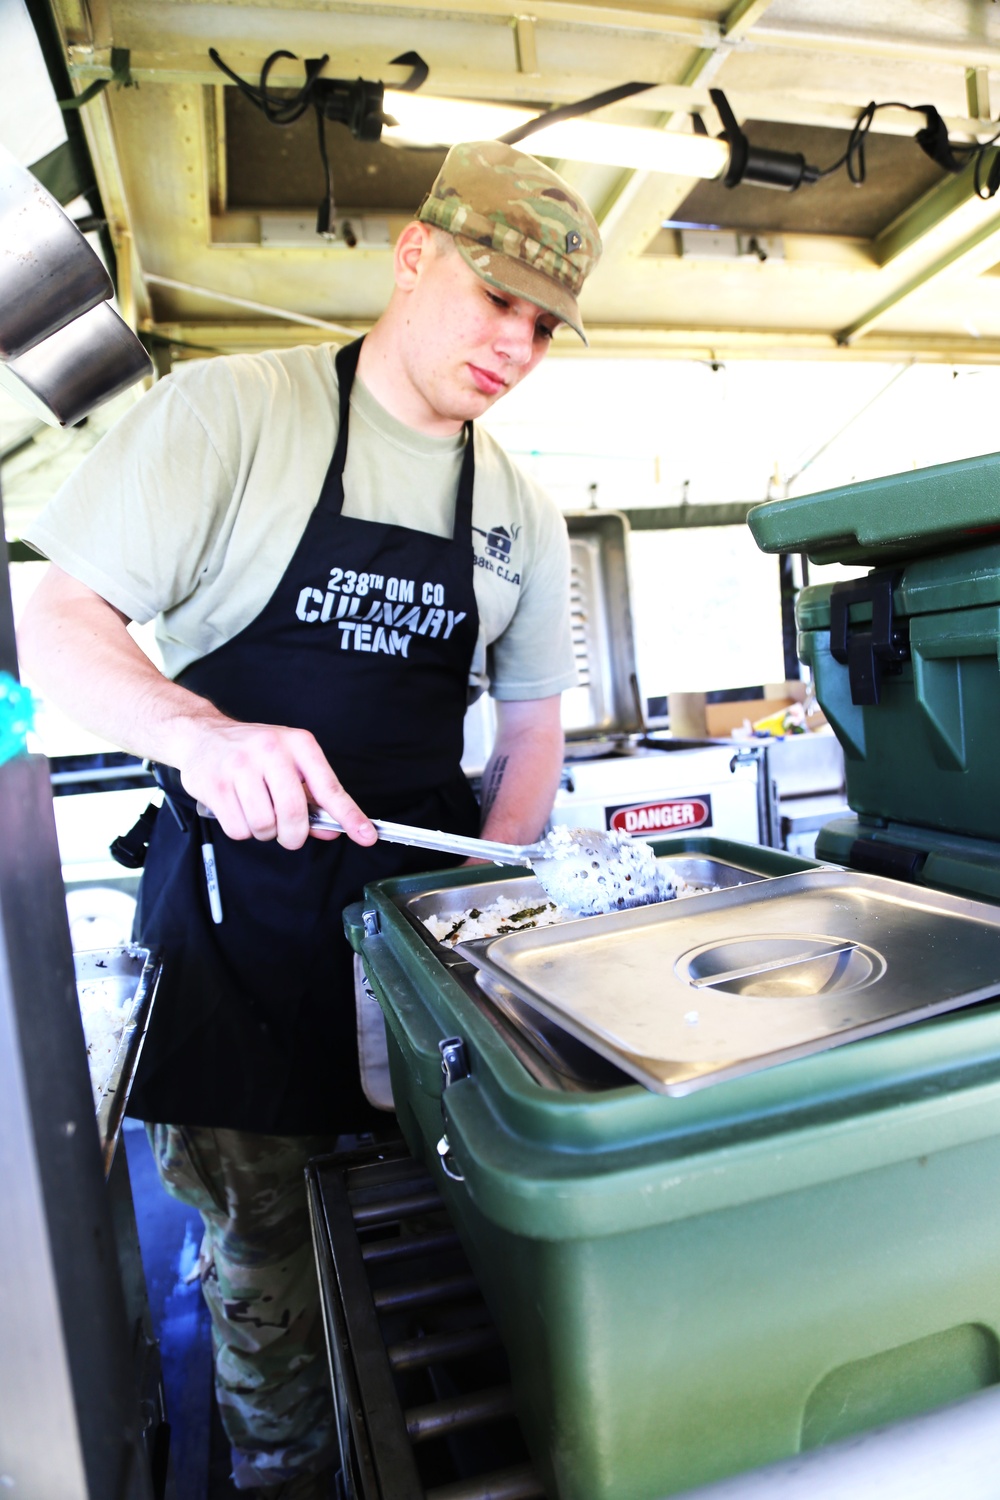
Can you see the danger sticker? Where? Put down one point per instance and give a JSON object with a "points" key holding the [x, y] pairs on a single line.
{"points": [[661, 817]]}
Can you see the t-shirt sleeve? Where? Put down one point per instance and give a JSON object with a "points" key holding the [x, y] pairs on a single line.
{"points": [[137, 521], [534, 658]]}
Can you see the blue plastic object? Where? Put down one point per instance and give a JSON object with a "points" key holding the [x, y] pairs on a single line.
{"points": [[17, 716]]}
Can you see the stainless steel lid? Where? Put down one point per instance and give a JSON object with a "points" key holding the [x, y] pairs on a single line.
{"points": [[545, 1048], [690, 993]]}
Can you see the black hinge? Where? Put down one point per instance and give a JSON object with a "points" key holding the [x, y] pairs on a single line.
{"points": [[896, 861], [868, 650]]}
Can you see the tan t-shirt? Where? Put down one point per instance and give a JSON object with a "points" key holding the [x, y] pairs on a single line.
{"points": [[190, 509]]}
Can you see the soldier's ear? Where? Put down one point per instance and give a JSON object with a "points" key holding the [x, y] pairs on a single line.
{"points": [[414, 249]]}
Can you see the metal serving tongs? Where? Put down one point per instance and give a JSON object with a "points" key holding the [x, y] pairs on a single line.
{"points": [[582, 869], [444, 843], [429, 838]]}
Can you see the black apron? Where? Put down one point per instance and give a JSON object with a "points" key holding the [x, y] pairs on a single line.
{"points": [[367, 642]]}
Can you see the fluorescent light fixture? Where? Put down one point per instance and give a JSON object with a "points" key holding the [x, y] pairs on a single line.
{"points": [[424, 120], [631, 146], [427, 121]]}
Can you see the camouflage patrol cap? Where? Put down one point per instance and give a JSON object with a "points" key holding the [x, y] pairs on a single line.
{"points": [[517, 224]]}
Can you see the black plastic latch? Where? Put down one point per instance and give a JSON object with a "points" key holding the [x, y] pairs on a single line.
{"points": [[868, 650], [454, 1060], [454, 1066], [896, 861]]}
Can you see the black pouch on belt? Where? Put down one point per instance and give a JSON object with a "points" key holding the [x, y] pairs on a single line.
{"points": [[130, 849]]}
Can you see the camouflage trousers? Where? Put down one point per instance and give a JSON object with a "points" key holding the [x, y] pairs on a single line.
{"points": [[259, 1280]]}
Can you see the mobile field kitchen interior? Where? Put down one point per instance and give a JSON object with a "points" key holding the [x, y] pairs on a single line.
{"points": [[692, 1198]]}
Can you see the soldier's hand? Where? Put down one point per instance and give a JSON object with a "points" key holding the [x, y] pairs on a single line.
{"points": [[260, 779]]}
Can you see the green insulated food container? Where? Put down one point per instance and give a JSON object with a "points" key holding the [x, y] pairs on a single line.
{"points": [[905, 665], [692, 1287]]}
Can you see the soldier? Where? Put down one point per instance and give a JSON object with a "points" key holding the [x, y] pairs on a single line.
{"points": [[323, 622]]}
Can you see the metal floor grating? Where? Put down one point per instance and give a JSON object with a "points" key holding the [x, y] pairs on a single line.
{"points": [[424, 1403]]}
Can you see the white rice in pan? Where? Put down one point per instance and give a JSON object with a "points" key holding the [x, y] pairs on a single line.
{"points": [[501, 916], [509, 914]]}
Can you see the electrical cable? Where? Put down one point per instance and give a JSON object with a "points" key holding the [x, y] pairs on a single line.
{"points": [[324, 214], [854, 156], [275, 106], [951, 156]]}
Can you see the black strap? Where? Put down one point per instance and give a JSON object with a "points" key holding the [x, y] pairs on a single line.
{"points": [[462, 532], [571, 111], [346, 363], [121, 73], [933, 140], [418, 74]]}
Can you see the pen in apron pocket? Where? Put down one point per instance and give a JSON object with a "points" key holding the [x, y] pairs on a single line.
{"points": [[211, 874]]}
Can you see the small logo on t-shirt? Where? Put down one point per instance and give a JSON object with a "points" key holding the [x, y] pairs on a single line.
{"points": [[497, 543], [498, 548]]}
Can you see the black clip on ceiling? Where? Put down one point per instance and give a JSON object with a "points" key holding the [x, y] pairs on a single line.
{"points": [[356, 103], [757, 164], [788, 169]]}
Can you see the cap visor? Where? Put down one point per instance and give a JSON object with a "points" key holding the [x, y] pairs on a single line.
{"points": [[519, 280]]}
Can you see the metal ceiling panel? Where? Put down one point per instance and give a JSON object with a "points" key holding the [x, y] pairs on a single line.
{"points": [[195, 182]]}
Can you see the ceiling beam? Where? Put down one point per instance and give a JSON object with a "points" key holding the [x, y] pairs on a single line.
{"points": [[974, 253], [700, 70], [99, 131], [690, 93], [621, 341], [931, 212], [649, 19], [298, 319], [653, 20], [877, 44], [743, 15]]}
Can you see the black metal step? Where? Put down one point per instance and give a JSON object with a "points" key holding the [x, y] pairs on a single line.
{"points": [[425, 1409]]}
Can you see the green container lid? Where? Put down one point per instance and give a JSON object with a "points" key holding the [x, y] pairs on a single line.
{"points": [[942, 508], [927, 586], [926, 856]]}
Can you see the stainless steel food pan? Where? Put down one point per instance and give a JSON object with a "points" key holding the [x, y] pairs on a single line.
{"points": [[123, 980], [551, 1054], [688, 993], [452, 900]]}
